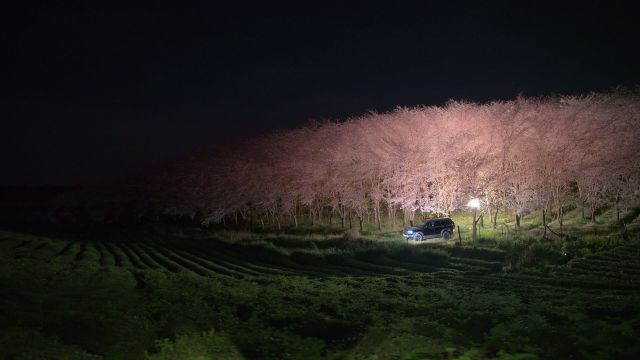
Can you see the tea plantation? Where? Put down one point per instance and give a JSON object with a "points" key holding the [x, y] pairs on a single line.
{"points": [[141, 294]]}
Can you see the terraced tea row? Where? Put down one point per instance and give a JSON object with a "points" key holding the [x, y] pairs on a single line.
{"points": [[143, 255], [617, 271]]}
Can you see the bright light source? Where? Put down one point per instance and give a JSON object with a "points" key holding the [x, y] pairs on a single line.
{"points": [[474, 203]]}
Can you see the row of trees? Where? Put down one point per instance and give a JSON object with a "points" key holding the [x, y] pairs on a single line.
{"points": [[529, 154]]}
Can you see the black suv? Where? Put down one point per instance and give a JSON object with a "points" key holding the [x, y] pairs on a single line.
{"points": [[431, 228]]}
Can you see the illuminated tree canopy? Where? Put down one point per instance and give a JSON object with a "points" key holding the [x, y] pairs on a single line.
{"points": [[523, 155]]}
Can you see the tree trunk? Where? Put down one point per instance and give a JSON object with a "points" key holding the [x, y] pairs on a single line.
{"points": [[560, 216], [517, 220], [350, 222], [593, 212], [474, 228], [495, 219], [360, 219], [295, 218], [378, 218], [482, 221], [262, 222], [544, 222]]}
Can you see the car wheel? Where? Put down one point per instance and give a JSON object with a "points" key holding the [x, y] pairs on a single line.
{"points": [[446, 235], [417, 237]]}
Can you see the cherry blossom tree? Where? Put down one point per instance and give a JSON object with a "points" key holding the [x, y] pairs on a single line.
{"points": [[523, 155]]}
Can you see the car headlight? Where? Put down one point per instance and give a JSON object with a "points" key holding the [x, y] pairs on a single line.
{"points": [[409, 231]]}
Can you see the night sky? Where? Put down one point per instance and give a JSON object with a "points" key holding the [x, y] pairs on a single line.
{"points": [[91, 92]]}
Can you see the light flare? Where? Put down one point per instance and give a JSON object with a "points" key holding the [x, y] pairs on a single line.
{"points": [[474, 203]]}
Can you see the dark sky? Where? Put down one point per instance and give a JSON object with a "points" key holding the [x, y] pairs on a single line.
{"points": [[90, 91]]}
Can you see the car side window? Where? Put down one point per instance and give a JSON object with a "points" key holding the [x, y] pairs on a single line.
{"points": [[438, 223]]}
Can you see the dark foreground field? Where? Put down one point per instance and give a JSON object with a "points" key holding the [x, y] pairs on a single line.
{"points": [[142, 294]]}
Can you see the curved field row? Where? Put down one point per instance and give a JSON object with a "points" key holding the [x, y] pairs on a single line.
{"points": [[23, 244], [613, 276], [629, 274], [71, 251], [134, 259], [383, 260], [626, 264], [491, 266], [606, 257], [373, 268], [116, 255], [41, 246], [615, 271], [106, 256], [585, 283], [605, 267], [623, 254], [191, 265], [88, 255], [66, 248], [142, 256], [235, 262], [158, 258], [215, 267], [229, 262], [212, 263]]}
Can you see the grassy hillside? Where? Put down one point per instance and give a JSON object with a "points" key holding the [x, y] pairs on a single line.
{"points": [[186, 293]]}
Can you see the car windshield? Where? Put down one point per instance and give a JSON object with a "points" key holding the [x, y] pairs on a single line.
{"points": [[424, 223]]}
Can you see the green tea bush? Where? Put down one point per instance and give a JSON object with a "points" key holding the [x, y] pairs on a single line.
{"points": [[24, 343], [429, 256], [486, 254], [383, 300], [199, 346]]}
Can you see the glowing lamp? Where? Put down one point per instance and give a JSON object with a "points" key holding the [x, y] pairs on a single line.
{"points": [[474, 203]]}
